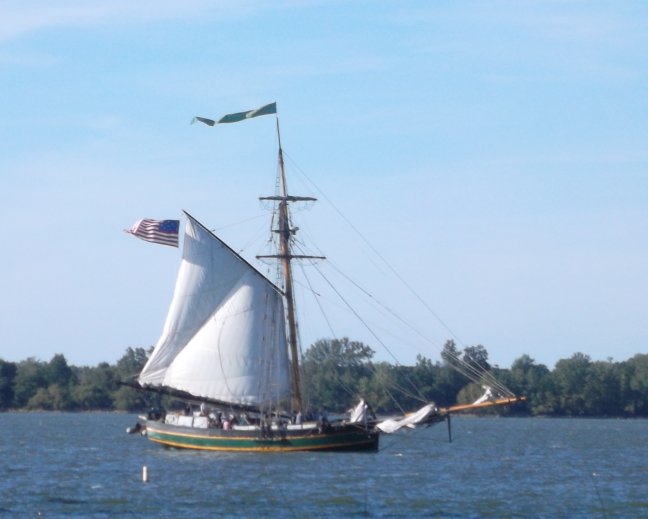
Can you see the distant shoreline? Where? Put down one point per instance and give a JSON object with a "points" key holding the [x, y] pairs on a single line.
{"points": [[542, 417]]}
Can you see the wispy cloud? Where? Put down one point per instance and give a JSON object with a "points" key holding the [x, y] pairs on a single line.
{"points": [[557, 38], [605, 157], [20, 17], [574, 20], [571, 22]]}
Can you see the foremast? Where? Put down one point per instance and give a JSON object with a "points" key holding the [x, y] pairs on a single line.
{"points": [[285, 233]]}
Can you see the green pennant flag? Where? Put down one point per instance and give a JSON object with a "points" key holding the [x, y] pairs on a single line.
{"points": [[239, 116]]}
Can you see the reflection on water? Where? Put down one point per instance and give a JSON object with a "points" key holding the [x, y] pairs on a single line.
{"points": [[84, 465]]}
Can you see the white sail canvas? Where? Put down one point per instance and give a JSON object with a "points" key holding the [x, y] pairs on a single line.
{"points": [[224, 336]]}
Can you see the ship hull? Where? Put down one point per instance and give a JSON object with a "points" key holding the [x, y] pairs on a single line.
{"points": [[341, 438]]}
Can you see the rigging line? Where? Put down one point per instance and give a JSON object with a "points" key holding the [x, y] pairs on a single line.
{"points": [[305, 232], [381, 326], [345, 309], [279, 322], [337, 376], [220, 361], [478, 377], [365, 498], [394, 399], [283, 496], [260, 232], [319, 295], [475, 376], [342, 384], [421, 398], [376, 251], [385, 382], [389, 310], [465, 369], [217, 229], [485, 373], [595, 485], [274, 365], [490, 377], [379, 304]]}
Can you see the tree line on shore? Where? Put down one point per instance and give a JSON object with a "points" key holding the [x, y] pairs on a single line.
{"points": [[338, 372]]}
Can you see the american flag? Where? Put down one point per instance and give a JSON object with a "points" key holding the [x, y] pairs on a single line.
{"points": [[164, 232]]}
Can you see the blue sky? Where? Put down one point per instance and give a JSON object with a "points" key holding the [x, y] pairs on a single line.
{"points": [[495, 153]]}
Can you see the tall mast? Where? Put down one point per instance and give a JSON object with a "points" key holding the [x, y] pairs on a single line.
{"points": [[284, 248], [285, 233]]}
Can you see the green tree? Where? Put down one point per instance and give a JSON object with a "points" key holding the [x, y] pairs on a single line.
{"points": [[7, 375], [450, 354], [131, 363], [476, 357], [341, 352], [128, 366], [424, 376], [40, 385], [58, 372], [52, 398], [333, 369], [570, 377], [449, 380], [95, 387], [602, 392], [31, 375], [525, 378], [469, 393], [381, 389], [634, 383]]}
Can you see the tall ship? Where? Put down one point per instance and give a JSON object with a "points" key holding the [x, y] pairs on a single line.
{"points": [[229, 349]]}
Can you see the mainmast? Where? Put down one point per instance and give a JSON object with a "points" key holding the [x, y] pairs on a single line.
{"points": [[285, 233]]}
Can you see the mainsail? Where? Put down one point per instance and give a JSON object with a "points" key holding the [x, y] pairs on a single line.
{"points": [[224, 337]]}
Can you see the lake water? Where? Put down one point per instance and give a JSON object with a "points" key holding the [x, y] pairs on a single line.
{"points": [[84, 465]]}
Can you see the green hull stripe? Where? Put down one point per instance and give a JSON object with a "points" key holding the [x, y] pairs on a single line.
{"points": [[270, 449], [340, 441], [243, 438]]}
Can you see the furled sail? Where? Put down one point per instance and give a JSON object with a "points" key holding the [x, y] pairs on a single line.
{"points": [[224, 337], [411, 421]]}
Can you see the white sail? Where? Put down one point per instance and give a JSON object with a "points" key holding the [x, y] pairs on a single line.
{"points": [[411, 421], [224, 336]]}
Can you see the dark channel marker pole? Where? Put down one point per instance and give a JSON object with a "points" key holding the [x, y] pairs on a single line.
{"points": [[449, 429]]}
